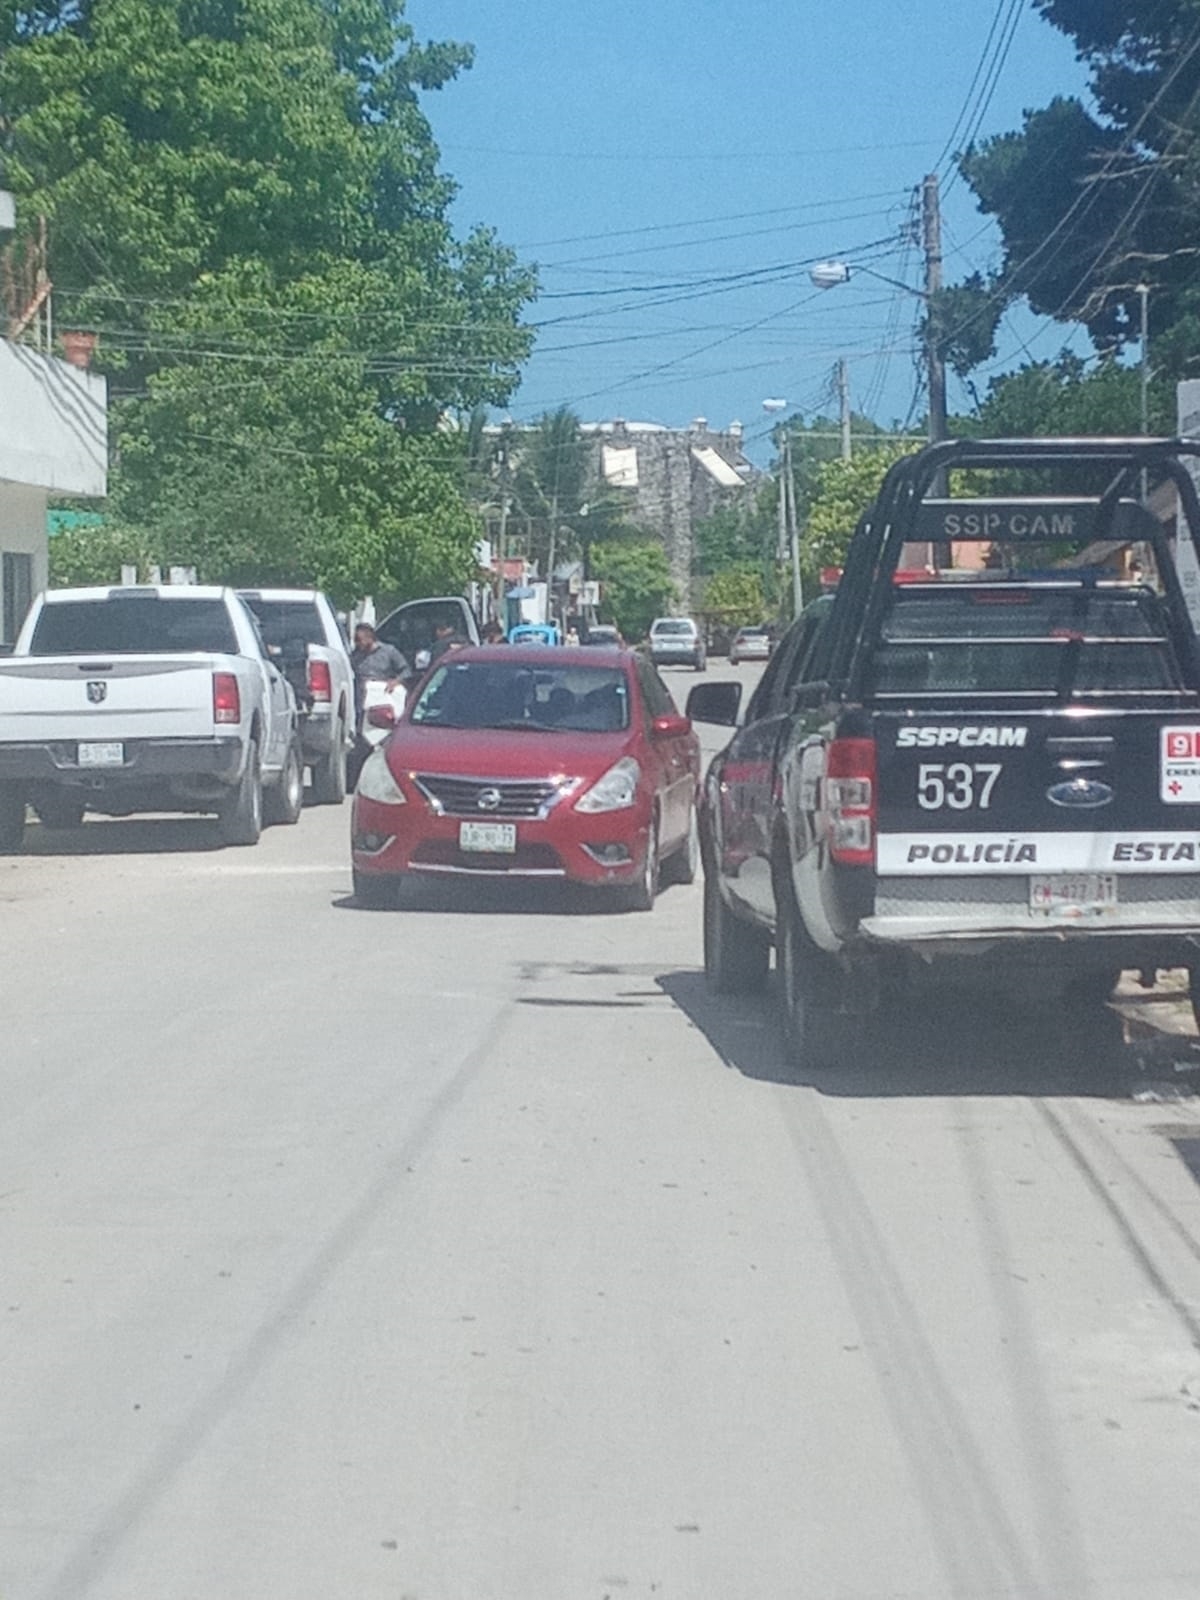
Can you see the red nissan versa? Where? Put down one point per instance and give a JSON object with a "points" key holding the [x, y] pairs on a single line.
{"points": [[532, 762]]}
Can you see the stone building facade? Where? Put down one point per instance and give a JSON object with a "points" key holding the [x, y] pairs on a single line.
{"points": [[673, 478]]}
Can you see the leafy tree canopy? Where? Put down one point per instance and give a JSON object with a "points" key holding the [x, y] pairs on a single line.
{"points": [[735, 597], [245, 200], [843, 491], [1064, 396], [636, 583], [1092, 201]]}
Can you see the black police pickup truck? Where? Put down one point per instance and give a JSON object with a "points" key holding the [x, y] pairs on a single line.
{"points": [[984, 749]]}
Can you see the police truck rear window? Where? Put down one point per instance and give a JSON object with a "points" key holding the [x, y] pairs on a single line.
{"points": [[1045, 642]]}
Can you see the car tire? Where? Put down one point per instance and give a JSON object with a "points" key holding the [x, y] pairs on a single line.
{"points": [[240, 816], [819, 1034], [59, 810], [683, 865], [329, 774], [12, 819], [737, 957], [376, 891], [284, 800], [641, 895]]}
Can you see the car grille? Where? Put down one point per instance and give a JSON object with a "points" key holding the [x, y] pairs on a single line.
{"points": [[460, 797]]}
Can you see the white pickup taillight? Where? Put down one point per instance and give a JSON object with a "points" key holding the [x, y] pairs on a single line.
{"points": [[227, 700], [320, 680], [851, 801]]}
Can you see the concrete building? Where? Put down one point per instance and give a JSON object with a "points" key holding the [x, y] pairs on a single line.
{"points": [[673, 478], [53, 441]]}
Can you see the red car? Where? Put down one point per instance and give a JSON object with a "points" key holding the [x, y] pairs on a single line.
{"points": [[532, 762]]}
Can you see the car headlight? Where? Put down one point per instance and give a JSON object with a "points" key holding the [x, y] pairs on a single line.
{"points": [[376, 783], [615, 791]]}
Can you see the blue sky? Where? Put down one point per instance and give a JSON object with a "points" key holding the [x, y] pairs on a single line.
{"points": [[636, 152]]}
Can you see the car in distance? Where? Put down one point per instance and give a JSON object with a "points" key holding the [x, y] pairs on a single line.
{"points": [[677, 642], [604, 636], [302, 635], [534, 762], [750, 644]]}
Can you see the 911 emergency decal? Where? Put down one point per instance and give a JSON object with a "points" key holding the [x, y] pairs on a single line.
{"points": [[1179, 766], [976, 854]]}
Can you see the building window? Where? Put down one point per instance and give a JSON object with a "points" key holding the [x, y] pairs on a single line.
{"points": [[16, 589]]}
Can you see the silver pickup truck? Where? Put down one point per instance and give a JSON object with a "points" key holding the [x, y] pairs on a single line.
{"points": [[129, 700]]}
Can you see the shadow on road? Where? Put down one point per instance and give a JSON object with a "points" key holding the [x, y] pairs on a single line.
{"points": [[490, 897], [958, 1043], [124, 836]]}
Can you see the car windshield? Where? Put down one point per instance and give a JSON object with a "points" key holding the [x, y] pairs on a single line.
{"points": [[1024, 640], [282, 621], [673, 627], [517, 695], [752, 633], [133, 625]]}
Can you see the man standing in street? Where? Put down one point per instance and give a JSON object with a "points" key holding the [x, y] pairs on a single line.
{"points": [[373, 662]]}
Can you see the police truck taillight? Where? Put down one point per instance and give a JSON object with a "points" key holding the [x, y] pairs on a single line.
{"points": [[320, 680], [851, 801], [227, 702]]}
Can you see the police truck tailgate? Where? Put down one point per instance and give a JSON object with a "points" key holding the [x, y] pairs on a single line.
{"points": [[1001, 806]]}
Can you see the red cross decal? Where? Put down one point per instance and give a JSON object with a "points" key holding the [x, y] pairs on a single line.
{"points": [[1175, 786]]}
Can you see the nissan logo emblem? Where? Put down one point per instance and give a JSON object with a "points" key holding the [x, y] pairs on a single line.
{"points": [[488, 799]]}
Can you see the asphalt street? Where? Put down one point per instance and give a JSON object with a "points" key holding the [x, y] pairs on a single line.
{"points": [[473, 1252]]}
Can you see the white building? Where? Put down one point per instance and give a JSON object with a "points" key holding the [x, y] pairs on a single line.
{"points": [[53, 441]]}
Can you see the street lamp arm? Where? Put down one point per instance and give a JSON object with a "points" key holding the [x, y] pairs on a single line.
{"points": [[825, 280]]}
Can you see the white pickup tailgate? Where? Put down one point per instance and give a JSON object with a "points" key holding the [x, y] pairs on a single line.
{"points": [[62, 698]]}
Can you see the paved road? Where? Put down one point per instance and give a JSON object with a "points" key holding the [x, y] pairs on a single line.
{"points": [[473, 1253]]}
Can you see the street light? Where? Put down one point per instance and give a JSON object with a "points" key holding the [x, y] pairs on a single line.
{"points": [[831, 274], [789, 532]]}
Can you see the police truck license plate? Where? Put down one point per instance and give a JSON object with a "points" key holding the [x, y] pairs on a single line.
{"points": [[101, 755], [1073, 896], [488, 838]]}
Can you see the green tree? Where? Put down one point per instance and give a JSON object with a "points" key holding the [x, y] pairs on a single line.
{"points": [[636, 583], [1093, 198], [843, 491], [1065, 396], [245, 201], [735, 597]]}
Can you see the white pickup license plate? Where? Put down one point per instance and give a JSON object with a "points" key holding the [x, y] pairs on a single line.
{"points": [[1073, 896], [102, 755], [488, 838]]}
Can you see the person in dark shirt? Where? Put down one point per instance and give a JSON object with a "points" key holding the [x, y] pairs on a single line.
{"points": [[374, 661]]}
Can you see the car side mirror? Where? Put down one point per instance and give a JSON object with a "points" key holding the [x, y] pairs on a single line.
{"points": [[671, 727], [382, 716], [715, 703]]}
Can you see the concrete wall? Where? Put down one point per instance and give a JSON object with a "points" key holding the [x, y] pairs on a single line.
{"points": [[673, 491], [22, 532], [53, 423]]}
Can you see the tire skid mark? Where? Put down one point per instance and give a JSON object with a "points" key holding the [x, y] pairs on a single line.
{"points": [[1129, 1235], [96, 1551], [1059, 1535], [979, 1545]]}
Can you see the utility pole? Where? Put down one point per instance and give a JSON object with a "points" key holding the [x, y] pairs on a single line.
{"points": [[843, 387], [1143, 291], [789, 492], [931, 233]]}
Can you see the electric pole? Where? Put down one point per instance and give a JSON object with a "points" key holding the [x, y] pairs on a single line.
{"points": [[789, 490], [931, 232], [843, 387]]}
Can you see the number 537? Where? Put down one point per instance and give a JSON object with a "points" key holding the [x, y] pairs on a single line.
{"points": [[961, 786]]}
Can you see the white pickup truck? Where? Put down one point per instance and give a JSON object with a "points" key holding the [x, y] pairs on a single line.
{"points": [[143, 699]]}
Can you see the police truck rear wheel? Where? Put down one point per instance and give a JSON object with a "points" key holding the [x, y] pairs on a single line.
{"points": [[818, 1032], [737, 957], [241, 815]]}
